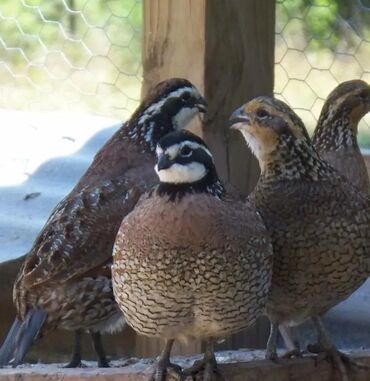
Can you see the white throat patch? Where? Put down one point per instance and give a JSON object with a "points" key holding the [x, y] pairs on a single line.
{"points": [[178, 173], [184, 117], [253, 143]]}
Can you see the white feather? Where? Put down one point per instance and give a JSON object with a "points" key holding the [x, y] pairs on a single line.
{"points": [[174, 149], [179, 173], [253, 143], [184, 117]]}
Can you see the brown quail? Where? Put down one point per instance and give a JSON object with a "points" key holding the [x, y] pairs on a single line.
{"points": [[65, 281], [335, 137], [188, 263], [335, 140], [318, 221]]}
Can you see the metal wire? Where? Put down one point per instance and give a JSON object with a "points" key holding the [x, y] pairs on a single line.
{"points": [[86, 54], [70, 54], [320, 43]]}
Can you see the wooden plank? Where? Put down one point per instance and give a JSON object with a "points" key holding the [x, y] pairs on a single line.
{"points": [[306, 369], [239, 65], [226, 48]]}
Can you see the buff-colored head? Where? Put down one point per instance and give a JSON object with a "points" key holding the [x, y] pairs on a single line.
{"points": [[265, 122]]}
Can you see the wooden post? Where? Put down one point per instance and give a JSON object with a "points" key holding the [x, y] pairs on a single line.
{"points": [[226, 48]]}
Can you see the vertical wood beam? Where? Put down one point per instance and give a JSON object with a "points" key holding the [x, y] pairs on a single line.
{"points": [[226, 48]]}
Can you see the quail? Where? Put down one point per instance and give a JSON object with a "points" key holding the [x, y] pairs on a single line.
{"points": [[65, 281], [335, 136], [319, 223], [188, 262], [335, 140]]}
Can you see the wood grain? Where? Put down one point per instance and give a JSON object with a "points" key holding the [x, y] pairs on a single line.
{"points": [[226, 48], [306, 369]]}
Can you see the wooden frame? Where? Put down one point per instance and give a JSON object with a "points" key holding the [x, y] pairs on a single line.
{"points": [[226, 48]]}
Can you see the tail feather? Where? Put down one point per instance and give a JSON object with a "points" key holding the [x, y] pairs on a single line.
{"points": [[8, 347], [21, 336]]}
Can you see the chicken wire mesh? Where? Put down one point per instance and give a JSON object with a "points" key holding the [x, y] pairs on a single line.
{"points": [[86, 54], [320, 43], [70, 54]]}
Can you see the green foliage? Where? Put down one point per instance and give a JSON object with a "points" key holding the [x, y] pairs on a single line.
{"points": [[328, 22], [67, 44]]}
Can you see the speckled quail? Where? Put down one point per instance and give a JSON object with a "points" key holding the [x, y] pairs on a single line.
{"points": [[335, 137], [335, 140], [318, 221], [65, 281], [187, 262]]}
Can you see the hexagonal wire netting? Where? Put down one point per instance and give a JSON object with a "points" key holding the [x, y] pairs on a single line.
{"points": [[71, 54], [320, 43], [86, 54]]}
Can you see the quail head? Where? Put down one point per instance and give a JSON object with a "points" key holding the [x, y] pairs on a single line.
{"points": [[335, 136], [318, 222], [65, 281], [188, 263]]}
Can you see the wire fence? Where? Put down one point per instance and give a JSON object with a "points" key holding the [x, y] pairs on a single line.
{"points": [[86, 54], [320, 43], [70, 54]]}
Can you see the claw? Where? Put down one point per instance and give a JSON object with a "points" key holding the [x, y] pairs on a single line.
{"points": [[163, 369], [340, 360], [207, 368], [294, 353]]}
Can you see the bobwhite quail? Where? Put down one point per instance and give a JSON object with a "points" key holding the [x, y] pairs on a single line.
{"points": [[319, 223], [335, 136], [335, 140], [187, 262], [65, 281]]}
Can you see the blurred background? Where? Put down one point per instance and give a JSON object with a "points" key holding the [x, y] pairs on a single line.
{"points": [[85, 55], [71, 71]]}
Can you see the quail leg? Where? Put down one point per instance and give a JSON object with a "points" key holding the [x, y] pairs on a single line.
{"points": [[164, 366], [207, 366], [325, 345], [271, 353], [75, 361], [99, 350], [291, 344]]}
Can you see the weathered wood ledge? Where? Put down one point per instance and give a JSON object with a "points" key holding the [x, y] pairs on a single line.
{"points": [[239, 365]]}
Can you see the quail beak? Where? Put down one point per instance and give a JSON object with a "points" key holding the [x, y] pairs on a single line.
{"points": [[164, 162], [202, 108], [239, 119], [201, 105]]}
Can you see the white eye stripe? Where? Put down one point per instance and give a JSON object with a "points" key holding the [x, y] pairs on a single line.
{"points": [[159, 150], [176, 148], [156, 106]]}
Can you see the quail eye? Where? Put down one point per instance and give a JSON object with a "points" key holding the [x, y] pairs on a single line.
{"points": [[364, 95], [185, 151], [185, 96], [262, 114]]}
